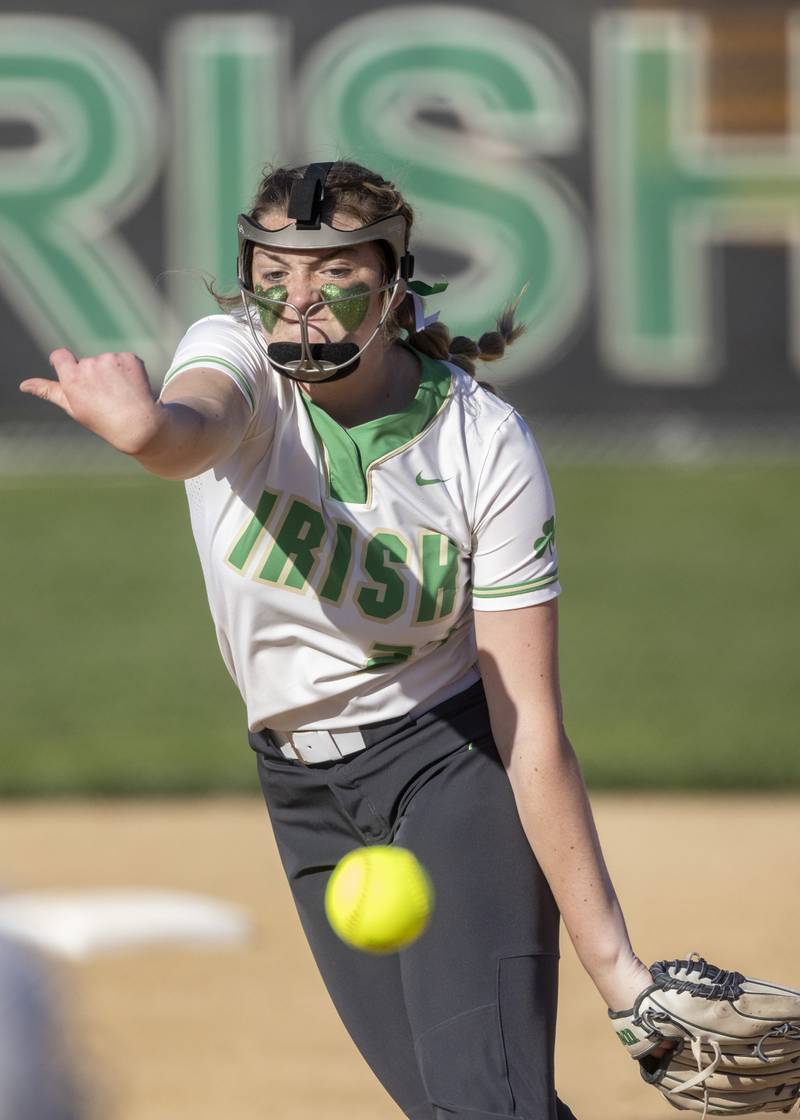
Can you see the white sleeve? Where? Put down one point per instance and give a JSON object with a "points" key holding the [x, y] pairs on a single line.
{"points": [[514, 558], [222, 342]]}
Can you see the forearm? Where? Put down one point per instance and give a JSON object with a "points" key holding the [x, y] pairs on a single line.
{"points": [[555, 813], [184, 443]]}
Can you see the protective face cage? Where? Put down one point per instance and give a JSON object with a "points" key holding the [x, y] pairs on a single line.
{"points": [[304, 360]]}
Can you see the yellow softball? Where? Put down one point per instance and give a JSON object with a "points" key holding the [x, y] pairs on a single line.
{"points": [[379, 898]]}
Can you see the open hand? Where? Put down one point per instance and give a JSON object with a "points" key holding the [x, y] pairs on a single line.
{"points": [[109, 394]]}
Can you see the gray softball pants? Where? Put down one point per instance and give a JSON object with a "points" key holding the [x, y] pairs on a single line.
{"points": [[460, 1025]]}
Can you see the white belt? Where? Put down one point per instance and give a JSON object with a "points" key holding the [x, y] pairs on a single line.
{"points": [[318, 746], [327, 746]]}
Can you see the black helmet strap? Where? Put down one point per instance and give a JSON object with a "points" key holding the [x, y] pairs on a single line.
{"points": [[306, 196]]}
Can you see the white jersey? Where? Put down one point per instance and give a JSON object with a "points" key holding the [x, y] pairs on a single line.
{"points": [[343, 565]]}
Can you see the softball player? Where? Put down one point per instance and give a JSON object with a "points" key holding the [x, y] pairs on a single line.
{"points": [[377, 537]]}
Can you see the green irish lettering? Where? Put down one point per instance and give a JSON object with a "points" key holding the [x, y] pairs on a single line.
{"points": [[670, 193], [505, 82], [340, 564], [227, 87], [94, 110], [439, 577], [239, 554], [384, 554], [294, 552]]}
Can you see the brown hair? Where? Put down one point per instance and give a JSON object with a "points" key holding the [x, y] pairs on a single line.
{"points": [[363, 194]]}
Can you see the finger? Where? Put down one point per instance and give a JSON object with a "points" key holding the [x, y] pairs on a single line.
{"points": [[63, 361], [46, 391]]}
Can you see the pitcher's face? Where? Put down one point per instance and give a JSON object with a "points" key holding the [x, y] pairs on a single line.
{"points": [[333, 288]]}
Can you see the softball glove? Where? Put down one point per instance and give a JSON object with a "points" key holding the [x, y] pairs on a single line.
{"points": [[736, 1040]]}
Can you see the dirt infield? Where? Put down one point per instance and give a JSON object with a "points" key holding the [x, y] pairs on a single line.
{"points": [[247, 1033]]}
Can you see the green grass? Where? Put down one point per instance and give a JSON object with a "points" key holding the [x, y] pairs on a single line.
{"points": [[115, 683], [679, 634], [679, 624]]}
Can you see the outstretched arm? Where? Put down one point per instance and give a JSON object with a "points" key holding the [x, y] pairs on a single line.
{"points": [[518, 652], [199, 421]]}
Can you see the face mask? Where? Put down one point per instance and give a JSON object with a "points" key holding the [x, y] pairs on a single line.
{"points": [[317, 361]]}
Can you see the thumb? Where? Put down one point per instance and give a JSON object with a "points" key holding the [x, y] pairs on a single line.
{"points": [[46, 391], [63, 362]]}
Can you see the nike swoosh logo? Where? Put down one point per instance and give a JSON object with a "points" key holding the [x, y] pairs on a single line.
{"points": [[428, 481]]}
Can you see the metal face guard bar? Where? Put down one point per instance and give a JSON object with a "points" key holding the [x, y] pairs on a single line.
{"points": [[391, 229], [310, 363]]}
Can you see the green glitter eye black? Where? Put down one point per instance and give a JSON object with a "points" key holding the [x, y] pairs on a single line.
{"points": [[267, 313], [351, 304]]}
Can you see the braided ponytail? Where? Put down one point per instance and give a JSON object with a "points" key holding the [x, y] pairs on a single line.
{"points": [[435, 340]]}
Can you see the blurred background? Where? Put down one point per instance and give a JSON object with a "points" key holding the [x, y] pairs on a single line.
{"points": [[633, 169]]}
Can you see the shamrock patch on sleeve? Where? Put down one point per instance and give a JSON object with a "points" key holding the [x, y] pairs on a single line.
{"points": [[546, 542]]}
